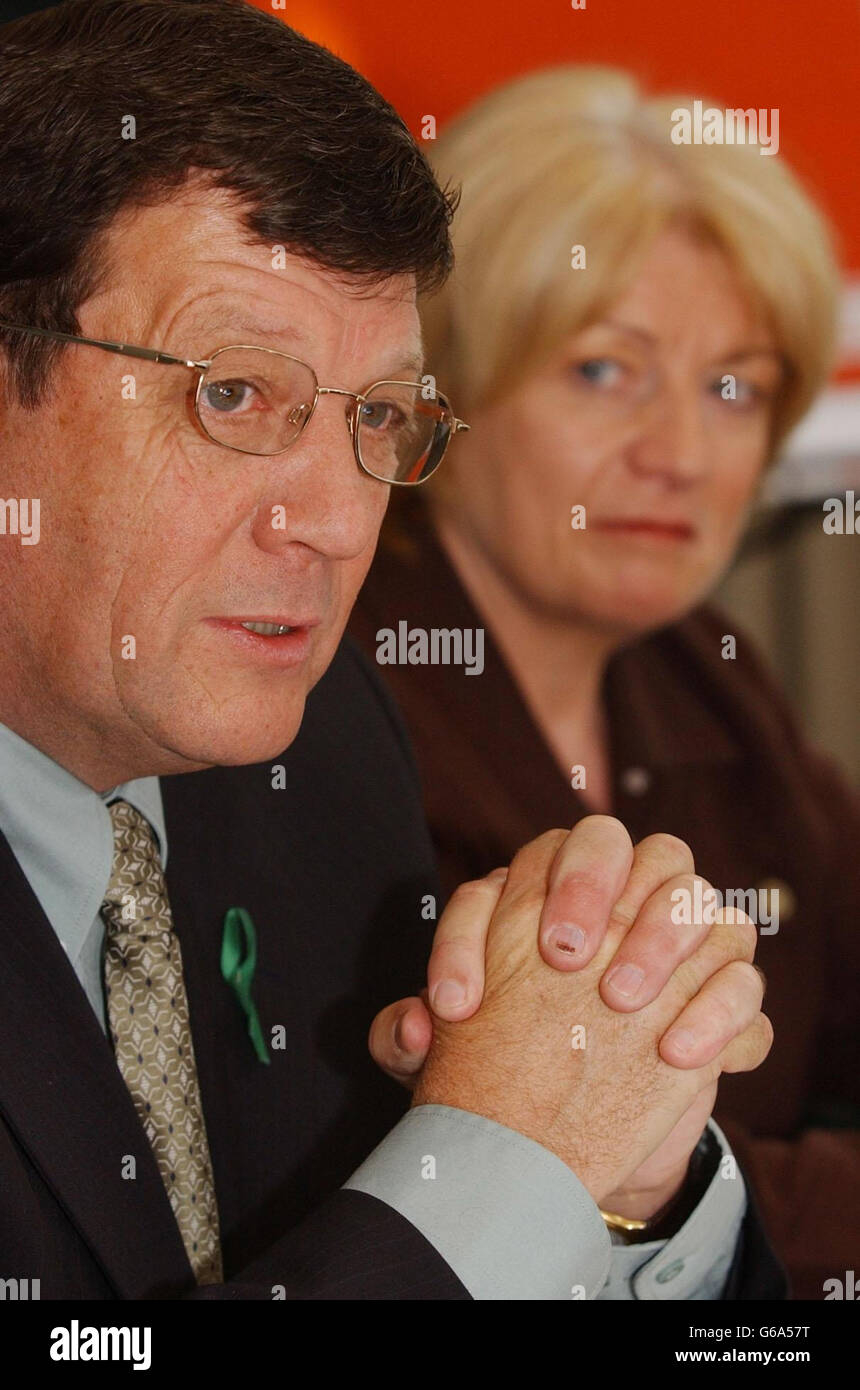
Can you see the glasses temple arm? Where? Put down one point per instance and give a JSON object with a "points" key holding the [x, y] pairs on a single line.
{"points": [[125, 349]]}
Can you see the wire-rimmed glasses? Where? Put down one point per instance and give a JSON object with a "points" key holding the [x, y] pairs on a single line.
{"points": [[258, 400]]}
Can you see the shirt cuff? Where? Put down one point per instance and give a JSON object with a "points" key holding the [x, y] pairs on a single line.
{"points": [[509, 1217], [694, 1264]]}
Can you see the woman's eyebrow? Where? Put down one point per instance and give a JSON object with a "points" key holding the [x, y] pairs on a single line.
{"points": [[741, 354], [734, 354], [630, 328]]}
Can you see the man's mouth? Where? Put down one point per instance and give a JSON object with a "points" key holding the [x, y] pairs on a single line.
{"points": [[277, 625], [284, 639], [268, 629]]}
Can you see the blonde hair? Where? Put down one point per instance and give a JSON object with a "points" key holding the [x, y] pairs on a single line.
{"points": [[576, 155]]}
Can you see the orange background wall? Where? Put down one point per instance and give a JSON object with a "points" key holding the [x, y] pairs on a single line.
{"points": [[802, 56]]}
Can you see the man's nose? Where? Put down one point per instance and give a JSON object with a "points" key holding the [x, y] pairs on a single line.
{"points": [[317, 493], [669, 440]]}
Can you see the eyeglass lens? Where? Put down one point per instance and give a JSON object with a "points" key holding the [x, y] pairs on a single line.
{"points": [[257, 401]]}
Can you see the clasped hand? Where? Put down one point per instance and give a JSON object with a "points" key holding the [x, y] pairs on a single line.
{"points": [[565, 1002]]}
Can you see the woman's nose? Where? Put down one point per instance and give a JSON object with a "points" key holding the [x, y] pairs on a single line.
{"points": [[670, 441]]}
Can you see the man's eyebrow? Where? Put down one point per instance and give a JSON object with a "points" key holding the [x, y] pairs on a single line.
{"points": [[242, 330], [411, 366]]}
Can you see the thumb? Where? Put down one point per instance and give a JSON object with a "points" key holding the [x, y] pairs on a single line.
{"points": [[400, 1038]]}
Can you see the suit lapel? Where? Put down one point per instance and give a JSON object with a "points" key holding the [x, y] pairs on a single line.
{"points": [[65, 1100]]}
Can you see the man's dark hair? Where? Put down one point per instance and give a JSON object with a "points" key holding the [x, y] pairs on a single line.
{"points": [[323, 165]]}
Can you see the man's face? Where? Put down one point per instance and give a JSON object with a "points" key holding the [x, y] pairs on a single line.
{"points": [[123, 650]]}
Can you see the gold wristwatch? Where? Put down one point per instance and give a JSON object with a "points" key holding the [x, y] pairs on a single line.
{"points": [[704, 1162]]}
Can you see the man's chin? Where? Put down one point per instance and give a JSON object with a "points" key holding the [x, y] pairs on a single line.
{"points": [[229, 745], [218, 719]]}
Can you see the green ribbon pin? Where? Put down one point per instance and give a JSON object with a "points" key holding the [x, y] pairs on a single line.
{"points": [[238, 963]]}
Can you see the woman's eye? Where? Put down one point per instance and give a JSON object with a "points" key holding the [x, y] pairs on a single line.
{"points": [[227, 397], [600, 371], [735, 391]]}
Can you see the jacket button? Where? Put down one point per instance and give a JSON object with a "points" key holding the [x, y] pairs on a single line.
{"points": [[635, 781], [786, 896]]}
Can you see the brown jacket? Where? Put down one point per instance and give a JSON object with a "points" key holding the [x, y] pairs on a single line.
{"points": [[704, 748]]}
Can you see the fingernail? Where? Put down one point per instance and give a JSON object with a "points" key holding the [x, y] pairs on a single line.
{"points": [[448, 994], [498, 873], [568, 938], [625, 980], [682, 1041]]}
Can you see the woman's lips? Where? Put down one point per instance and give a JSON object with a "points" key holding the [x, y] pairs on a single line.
{"points": [[643, 526]]}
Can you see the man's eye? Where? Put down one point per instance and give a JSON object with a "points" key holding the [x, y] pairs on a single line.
{"points": [[381, 415], [227, 397]]}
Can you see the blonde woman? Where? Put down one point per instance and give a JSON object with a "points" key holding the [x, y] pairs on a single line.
{"points": [[632, 327]]}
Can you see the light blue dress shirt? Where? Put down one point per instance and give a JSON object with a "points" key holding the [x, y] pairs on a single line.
{"points": [[511, 1220], [61, 833]]}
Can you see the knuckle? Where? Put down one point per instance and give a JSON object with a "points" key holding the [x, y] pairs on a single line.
{"points": [[623, 914], [756, 1043], [743, 975], [669, 913], [526, 900], [751, 934], [473, 888], [599, 819], [746, 936], [606, 826], [661, 948], [766, 1028], [735, 940], [713, 1070], [457, 944], [721, 1014], [762, 979], [549, 840], [537, 854], [753, 978], [668, 850], [685, 979], [687, 882]]}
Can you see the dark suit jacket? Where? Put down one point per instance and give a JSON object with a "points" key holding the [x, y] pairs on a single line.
{"points": [[333, 869], [705, 749]]}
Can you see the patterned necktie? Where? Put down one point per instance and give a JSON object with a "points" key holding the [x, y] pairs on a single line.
{"points": [[148, 1014]]}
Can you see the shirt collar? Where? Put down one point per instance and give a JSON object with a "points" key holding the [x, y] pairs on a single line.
{"points": [[61, 833]]}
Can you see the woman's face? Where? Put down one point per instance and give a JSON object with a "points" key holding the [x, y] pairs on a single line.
{"points": [[655, 421]]}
